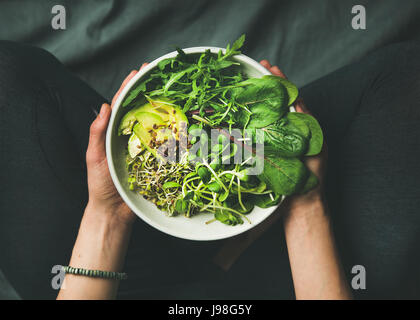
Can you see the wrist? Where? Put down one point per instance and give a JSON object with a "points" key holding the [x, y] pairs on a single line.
{"points": [[102, 241], [305, 208], [115, 216]]}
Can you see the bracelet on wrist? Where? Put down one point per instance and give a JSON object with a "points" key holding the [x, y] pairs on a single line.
{"points": [[96, 273]]}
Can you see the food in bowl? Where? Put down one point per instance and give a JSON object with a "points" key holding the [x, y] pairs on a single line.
{"points": [[203, 137]]}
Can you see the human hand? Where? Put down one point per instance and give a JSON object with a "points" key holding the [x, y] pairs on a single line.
{"points": [[103, 196]]}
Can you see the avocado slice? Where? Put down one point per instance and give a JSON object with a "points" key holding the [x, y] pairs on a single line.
{"points": [[127, 122], [134, 145], [151, 130], [169, 113]]}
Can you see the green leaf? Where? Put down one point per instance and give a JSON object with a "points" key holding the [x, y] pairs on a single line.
{"points": [[292, 90], [227, 217], [248, 204], [281, 138], [284, 176], [204, 174], [177, 76], [132, 95], [265, 201], [162, 64], [215, 187], [171, 184], [296, 124], [181, 206], [223, 196], [317, 137], [265, 97], [238, 43]]}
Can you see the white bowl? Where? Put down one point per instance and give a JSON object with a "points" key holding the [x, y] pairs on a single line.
{"points": [[193, 228]]}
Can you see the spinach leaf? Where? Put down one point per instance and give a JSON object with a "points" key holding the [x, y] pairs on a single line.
{"points": [[317, 137], [266, 98], [297, 124], [284, 176], [283, 139], [292, 90]]}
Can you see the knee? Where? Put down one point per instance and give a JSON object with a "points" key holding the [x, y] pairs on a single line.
{"points": [[394, 73], [18, 68], [17, 58]]}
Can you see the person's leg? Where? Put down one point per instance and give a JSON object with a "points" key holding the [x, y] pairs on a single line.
{"points": [[44, 126], [45, 114], [370, 113]]}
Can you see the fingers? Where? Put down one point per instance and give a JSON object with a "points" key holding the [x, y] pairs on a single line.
{"points": [[273, 69], [301, 107], [143, 65], [96, 148], [265, 64]]}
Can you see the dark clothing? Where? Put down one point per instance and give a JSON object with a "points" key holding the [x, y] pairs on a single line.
{"points": [[370, 114]]}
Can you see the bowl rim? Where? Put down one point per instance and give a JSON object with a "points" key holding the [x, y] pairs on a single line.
{"points": [[145, 70]]}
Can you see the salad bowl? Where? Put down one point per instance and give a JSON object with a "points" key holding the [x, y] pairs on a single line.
{"points": [[194, 228]]}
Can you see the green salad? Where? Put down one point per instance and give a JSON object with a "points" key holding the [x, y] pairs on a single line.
{"points": [[184, 153]]}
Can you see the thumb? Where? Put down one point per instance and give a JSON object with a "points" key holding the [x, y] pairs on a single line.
{"points": [[96, 148]]}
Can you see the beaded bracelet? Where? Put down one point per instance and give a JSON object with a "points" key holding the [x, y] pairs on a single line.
{"points": [[96, 273]]}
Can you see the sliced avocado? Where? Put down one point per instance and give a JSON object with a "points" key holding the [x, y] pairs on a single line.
{"points": [[169, 112], [126, 124], [151, 129], [161, 108], [128, 121], [134, 145]]}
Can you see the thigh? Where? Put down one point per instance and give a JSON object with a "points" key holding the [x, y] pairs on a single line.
{"points": [[44, 123], [370, 112]]}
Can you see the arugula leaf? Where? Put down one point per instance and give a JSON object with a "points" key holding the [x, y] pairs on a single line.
{"points": [[231, 51], [132, 95]]}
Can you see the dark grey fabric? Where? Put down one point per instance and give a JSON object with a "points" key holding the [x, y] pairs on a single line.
{"points": [[105, 39], [369, 112]]}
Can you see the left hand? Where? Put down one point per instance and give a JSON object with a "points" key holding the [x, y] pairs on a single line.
{"points": [[103, 196]]}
